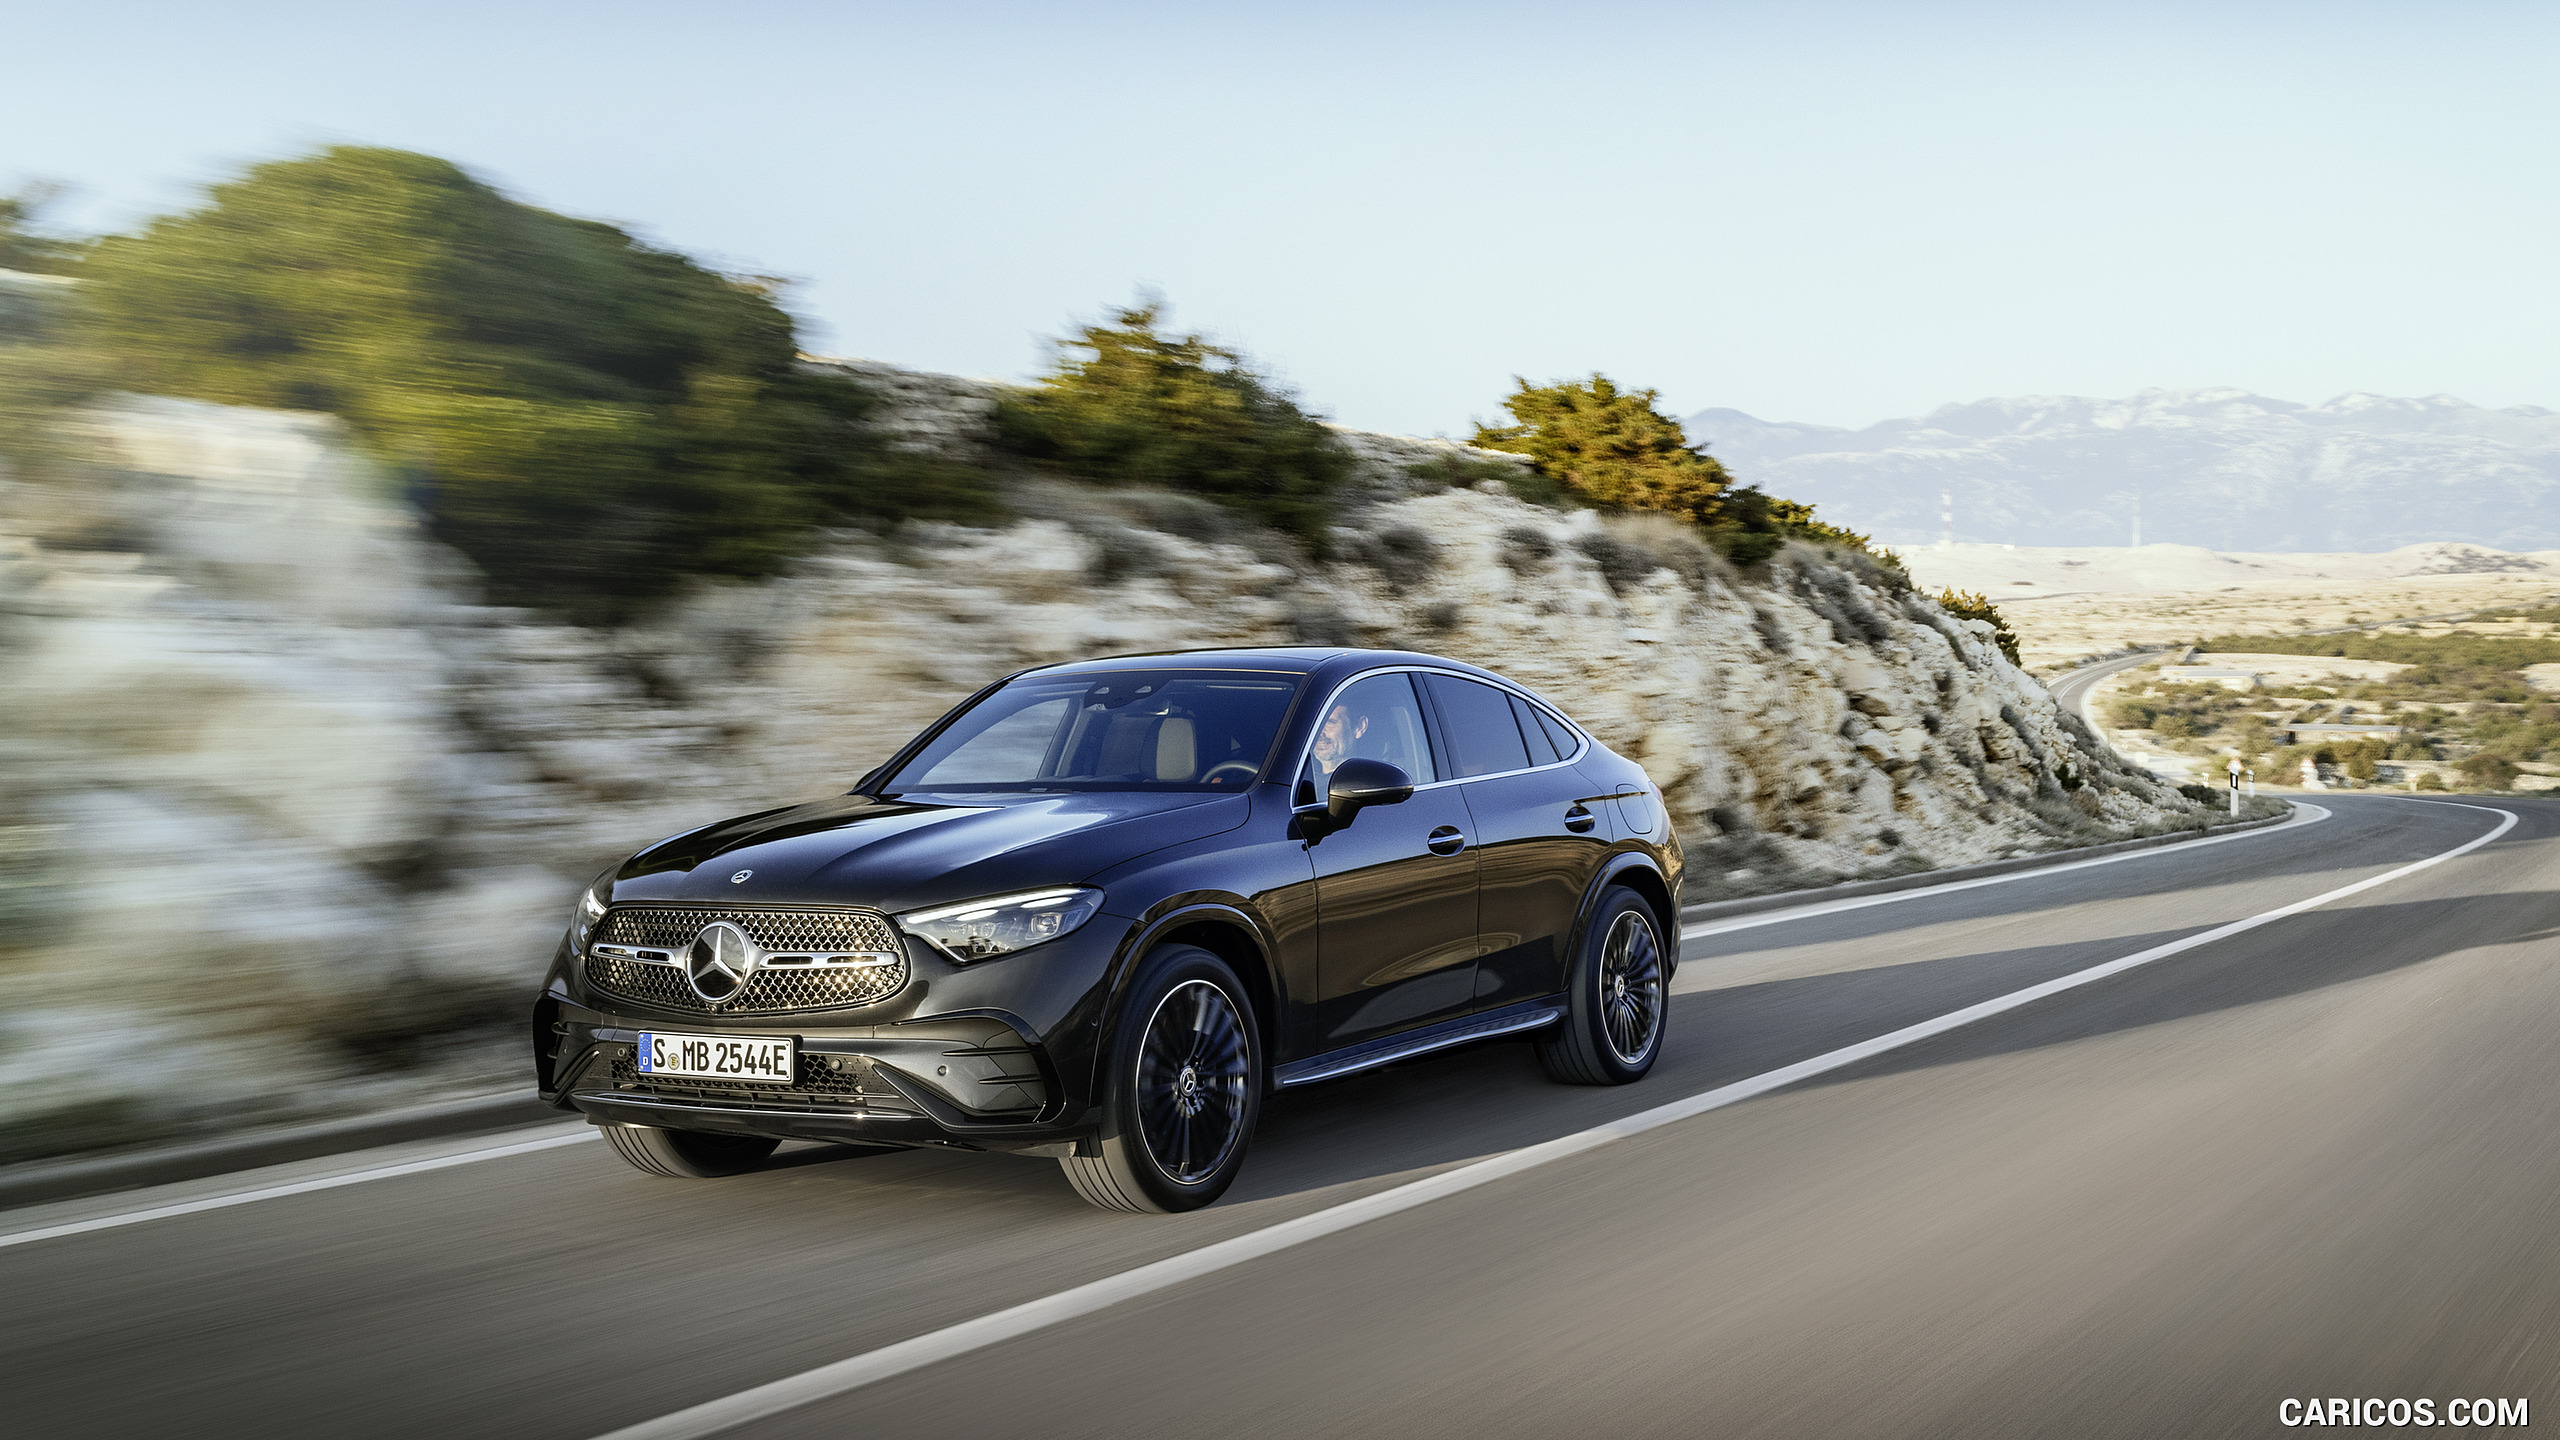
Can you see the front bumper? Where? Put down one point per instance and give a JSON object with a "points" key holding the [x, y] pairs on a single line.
{"points": [[973, 1083], [994, 1056]]}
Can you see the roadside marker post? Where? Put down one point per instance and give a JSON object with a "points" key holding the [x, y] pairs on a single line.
{"points": [[2235, 787]]}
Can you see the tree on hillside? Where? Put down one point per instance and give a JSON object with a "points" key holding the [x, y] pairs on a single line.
{"points": [[585, 415], [1611, 446], [1124, 403]]}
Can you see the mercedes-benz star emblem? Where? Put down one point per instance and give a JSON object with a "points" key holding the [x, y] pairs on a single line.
{"points": [[720, 960], [741, 877]]}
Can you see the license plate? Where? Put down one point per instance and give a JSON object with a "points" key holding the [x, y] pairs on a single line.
{"points": [[719, 1057]]}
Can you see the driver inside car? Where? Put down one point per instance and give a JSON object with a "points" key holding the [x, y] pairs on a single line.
{"points": [[1336, 741]]}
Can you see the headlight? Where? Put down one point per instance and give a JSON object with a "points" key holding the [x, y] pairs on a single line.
{"points": [[1002, 924], [590, 910]]}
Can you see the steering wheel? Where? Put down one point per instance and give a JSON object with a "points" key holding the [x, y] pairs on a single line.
{"points": [[1243, 768]]}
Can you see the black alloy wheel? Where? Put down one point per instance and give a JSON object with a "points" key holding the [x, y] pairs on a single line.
{"points": [[687, 1154], [1184, 1090], [1619, 1001]]}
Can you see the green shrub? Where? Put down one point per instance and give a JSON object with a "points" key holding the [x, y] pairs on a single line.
{"points": [[584, 415], [1124, 404], [2490, 772], [1610, 446], [1595, 444], [2126, 713], [2457, 651], [1972, 605]]}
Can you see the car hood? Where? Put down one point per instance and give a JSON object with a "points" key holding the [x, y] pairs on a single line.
{"points": [[904, 853]]}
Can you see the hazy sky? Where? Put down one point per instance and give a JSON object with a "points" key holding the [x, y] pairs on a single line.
{"points": [[1820, 212]]}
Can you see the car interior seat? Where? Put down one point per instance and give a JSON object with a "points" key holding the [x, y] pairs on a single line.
{"points": [[1177, 749]]}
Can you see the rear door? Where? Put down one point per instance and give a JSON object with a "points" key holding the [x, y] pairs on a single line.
{"points": [[1541, 836]]}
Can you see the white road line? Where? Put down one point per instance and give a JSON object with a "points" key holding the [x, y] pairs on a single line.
{"points": [[2307, 814], [297, 1187], [825, 1381]]}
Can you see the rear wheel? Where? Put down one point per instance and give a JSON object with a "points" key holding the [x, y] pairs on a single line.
{"points": [[1182, 1093], [1619, 998], [687, 1154]]}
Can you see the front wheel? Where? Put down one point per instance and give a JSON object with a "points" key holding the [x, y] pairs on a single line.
{"points": [[1183, 1090], [687, 1154], [1619, 995]]}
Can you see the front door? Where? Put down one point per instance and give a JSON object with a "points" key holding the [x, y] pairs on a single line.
{"points": [[1396, 888]]}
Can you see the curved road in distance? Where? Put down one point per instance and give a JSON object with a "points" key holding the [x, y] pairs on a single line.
{"points": [[2072, 688], [2313, 1158]]}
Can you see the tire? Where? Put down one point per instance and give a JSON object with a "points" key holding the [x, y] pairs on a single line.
{"points": [[1620, 994], [1182, 1092], [687, 1154]]}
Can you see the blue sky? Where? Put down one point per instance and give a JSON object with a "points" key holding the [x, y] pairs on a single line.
{"points": [[1822, 212]]}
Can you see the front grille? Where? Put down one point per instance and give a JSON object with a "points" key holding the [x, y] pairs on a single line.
{"points": [[770, 990], [830, 1080]]}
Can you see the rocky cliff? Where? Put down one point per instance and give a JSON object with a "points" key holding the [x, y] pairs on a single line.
{"points": [[269, 765]]}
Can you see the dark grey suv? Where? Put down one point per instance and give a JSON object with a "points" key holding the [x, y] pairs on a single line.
{"points": [[1101, 910]]}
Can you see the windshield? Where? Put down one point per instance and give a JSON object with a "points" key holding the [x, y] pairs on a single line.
{"points": [[1110, 730]]}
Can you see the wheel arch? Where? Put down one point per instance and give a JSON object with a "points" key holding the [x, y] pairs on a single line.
{"points": [[1633, 870], [1223, 930]]}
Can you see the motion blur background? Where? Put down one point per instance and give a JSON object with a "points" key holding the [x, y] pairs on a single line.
{"points": [[437, 506]]}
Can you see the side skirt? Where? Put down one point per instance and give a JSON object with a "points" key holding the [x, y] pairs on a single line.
{"points": [[1334, 1064]]}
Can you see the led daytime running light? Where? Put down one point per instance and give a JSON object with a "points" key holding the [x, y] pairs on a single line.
{"points": [[1002, 924]]}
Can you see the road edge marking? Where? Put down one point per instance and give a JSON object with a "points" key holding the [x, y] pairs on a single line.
{"points": [[296, 1187], [2306, 814], [841, 1376]]}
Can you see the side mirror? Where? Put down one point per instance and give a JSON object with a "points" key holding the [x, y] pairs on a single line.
{"points": [[1355, 785]]}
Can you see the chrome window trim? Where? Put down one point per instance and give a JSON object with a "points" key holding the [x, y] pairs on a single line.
{"points": [[1298, 767]]}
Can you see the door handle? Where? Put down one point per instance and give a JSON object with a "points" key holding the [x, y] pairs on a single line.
{"points": [[1579, 818], [1446, 841]]}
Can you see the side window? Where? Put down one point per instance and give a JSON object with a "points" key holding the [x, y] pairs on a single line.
{"points": [[1566, 742], [1542, 751], [1373, 719], [1476, 721]]}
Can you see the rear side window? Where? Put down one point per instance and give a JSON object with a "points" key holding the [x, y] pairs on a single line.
{"points": [[1542, 751], [1558, 732], [1483, 737]]}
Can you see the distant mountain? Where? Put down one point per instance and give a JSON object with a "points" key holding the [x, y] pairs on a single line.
{"points": [[2223, 469]]}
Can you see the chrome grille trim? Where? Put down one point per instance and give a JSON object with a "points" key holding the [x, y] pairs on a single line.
{"points": [[814, 959]]}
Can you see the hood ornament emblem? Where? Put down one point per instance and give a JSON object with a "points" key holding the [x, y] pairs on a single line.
{"points": [[741, 877], [719, 961]]}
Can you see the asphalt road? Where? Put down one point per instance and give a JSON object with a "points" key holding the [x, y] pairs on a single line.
{"points": [[2072, 687], [2318, 1157]]}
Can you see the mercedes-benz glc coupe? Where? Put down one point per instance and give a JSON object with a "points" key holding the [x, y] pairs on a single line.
{"points": [[1101, 910]]}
